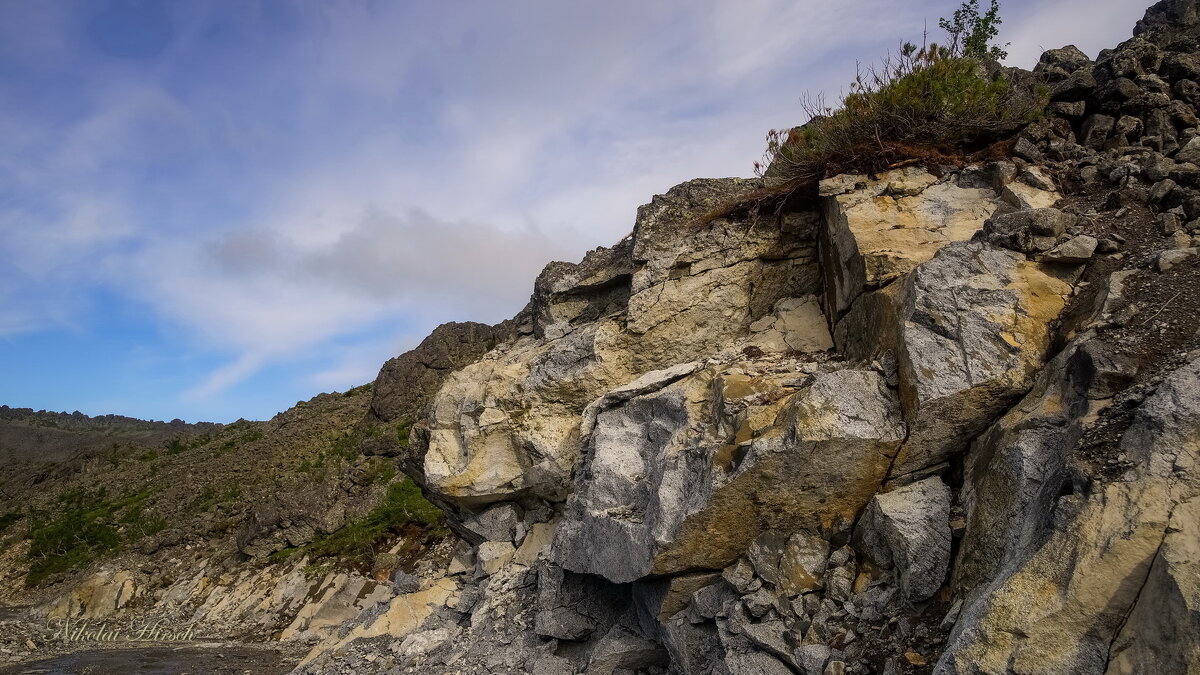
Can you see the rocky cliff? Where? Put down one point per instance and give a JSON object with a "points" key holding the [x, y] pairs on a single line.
{"points": [[943, 418]]}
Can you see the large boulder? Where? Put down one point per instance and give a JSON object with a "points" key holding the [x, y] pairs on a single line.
{"points": [[969, 330], [877, 230], [908, 529], [688, 476], [701, 281]]}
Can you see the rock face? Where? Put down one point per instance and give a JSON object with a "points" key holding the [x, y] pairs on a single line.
{"points": [[673, 459], [1096, 580], [968, 331], [507, 426]]}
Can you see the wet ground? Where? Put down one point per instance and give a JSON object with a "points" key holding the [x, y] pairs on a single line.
{"points": [[162, 660]]}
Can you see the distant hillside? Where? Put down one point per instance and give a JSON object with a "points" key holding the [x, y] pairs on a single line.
{"points": [[29, 435]]}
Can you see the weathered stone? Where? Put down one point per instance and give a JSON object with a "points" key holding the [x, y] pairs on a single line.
{"points": [[506, 426], [1023, 196], [496, 523], [908, 529], [536, 543], [622, 650], [1169, 259], [1167, 14], [1079, 86], [794, 325], [802, 563], [1067, 587], [406, 383], [96, 597], [1074, 109], [573, 607], [568, 294], [1162, 633], [662, 599], [492, 556], [1025, 149], [404, 614], [1027, 231], [708, 602], [1190, 152], [1161, 190], [969, 329], [691, 290], [884, 228], [1069, 58], [812, 658], [1096, 130], [1074, 251]]}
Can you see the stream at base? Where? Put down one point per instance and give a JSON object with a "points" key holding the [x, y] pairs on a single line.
{"points": [[181, 660]]}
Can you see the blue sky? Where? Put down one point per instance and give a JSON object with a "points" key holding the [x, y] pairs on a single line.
{"points": [[211, 210]]}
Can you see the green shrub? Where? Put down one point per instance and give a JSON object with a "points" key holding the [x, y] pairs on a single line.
{"points": [[344, 448], [403, 428], [82, 526], [403, 509], [313, 571], [971, 33], [7, 520], [926, 102], [381, 470]]}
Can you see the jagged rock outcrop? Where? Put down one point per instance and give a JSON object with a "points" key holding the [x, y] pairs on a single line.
{"points": [[507, 426], [968, 331], [1082, 577], [701, 461]]}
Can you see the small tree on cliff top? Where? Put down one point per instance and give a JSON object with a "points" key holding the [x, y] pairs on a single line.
{"points": [[971, 33], [933, 101]]}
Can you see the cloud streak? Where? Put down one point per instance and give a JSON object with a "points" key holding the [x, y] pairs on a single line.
{"points": [[311, 187]]}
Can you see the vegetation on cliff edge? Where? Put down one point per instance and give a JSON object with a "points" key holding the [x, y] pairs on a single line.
{"points": [[924, 102]]}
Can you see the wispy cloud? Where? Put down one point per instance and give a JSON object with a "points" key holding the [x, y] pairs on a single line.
{"points": [[318, 184]]}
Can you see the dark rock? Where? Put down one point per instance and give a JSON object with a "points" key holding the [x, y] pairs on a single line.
{"points": [[1156, 167], [1161, 190], [1181, 66], [1121, 89], [1187, 90], [1168, 13], [1027, 150], [1080, 86], [1182, 114], [406, 383], [1072, 109], [1096, 130], [575, 606], [1069, 59], [908, 528], [1031, 230]]}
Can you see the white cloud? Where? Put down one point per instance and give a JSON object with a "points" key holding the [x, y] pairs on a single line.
{"points": [[1091, 25], [360, 163]]}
